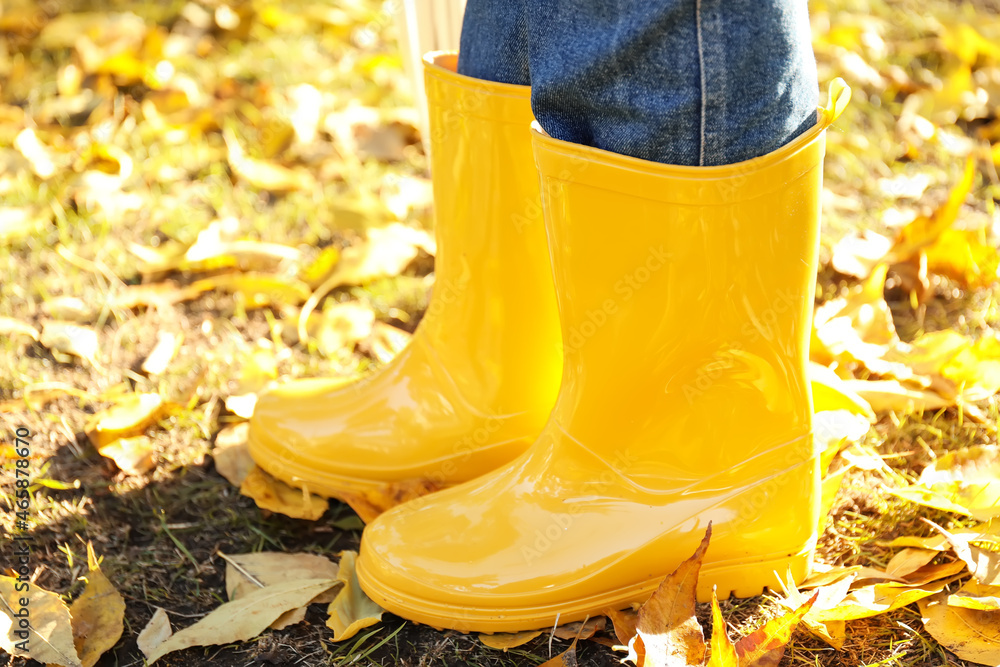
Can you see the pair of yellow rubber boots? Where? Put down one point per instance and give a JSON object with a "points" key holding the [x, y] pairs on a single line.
{"points": [[595, 387]]}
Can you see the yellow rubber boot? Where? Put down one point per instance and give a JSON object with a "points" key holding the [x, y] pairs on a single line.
{"points": [[477, 381], [685, 295]]}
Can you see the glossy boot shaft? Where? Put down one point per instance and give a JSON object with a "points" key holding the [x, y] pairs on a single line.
{"points": [[685, 297], [476, 383]]}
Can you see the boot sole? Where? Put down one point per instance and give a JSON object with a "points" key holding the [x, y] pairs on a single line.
{"points": [[744, 580]]}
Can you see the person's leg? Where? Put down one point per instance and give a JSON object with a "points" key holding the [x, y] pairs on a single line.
{"points": [[494, 42], [692, 82]]}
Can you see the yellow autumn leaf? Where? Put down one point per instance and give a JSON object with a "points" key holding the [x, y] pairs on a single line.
{"points": [[722, 652], [971, 634], [924, 231], [131, 415], [70, 338], [983, 564], [974, 595], [502, 641], [276, 496], [43, 632], [876, 599], [765, 646], [232, 454], [831, 393], [257, 290], [245, 618], [351, 610], [133, 456], [667, 627], [265, 175], [98, 614], [964, 481]]}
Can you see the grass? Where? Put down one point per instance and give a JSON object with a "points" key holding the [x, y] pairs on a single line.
{"points": [[160, 534]]}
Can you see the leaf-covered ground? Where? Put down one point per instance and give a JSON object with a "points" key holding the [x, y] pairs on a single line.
{"points": [[192, 199]]}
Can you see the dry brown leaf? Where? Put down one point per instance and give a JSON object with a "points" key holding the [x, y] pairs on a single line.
{"points": [[47, 635], [352, 610], [624, 623], [131, 415], [98, 614], [765, 646], [245, 618], [970, 634], [369, 504], [232, 455], [502, 641], [580, 629], [565, 659], [155, 633], [668, 633], [246, 573], [274, 495]]}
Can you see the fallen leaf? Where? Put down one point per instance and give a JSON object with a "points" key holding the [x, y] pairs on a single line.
{"points": [[246, 573], [965, 256], [831, 393], [232, 454], [580, 629], [369, 504], [351, 610], [155, 633], [131, 415], [860, 252], [274, 495], [342, 325], [18, 223], [257, 290], [565, 659], [876, 599], [894, 396], [909, 560], [98, 614], [722, 652], [506, 640], [971, 634], [245, 618], [765, 646], [385, 252], [667, 628], [133, 456], [36, 153], [624, 623], [166, 348], [981, 533], [924, 231], [68, 308], [825, 597], [974, 595], [384, 342], [964, 481], [11, 327], [983, 564], [48, 636], [262, 174], [70, 338]]}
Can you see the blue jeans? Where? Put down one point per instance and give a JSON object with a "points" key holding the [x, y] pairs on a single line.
{"points": [[692, 82]]}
